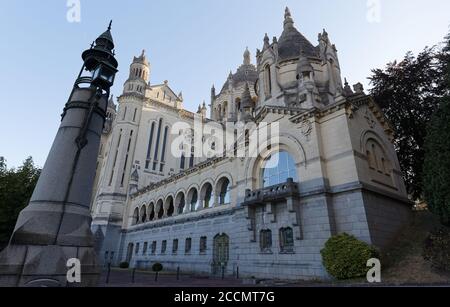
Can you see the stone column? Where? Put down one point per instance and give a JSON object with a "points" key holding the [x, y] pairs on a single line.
{"points": [[55, 227]]}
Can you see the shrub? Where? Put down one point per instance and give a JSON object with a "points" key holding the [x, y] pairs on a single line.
{"points": [[157, 267], [345, 257], [124, 265], [437, 249]]}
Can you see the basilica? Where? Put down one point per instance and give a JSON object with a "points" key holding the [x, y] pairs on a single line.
{"points": [[335, 169]]}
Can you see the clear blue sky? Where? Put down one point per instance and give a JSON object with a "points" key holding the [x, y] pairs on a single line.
{"points": [[191, 43]]}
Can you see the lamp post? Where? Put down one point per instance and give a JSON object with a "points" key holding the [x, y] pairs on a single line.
{"points": [[55, 226]]}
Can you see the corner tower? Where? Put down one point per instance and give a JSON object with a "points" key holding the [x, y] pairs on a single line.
{"points": [[139, 75], [292, 72], [113, 189]]}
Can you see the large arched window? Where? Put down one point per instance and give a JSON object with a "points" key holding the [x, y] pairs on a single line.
{"points": [[278, 168], [169, 207], [224, 191], [193, 199], [180, 203], [136, 216], [206, 195], [143, 214], [151, 212], [160, 209]]}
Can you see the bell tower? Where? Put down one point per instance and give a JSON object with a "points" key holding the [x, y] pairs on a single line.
{"points": [[139, 76], [116, 175]]}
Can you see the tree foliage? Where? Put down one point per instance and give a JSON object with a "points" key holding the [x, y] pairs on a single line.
{"points": [[436, 171], [409, 92], [16, 188]]}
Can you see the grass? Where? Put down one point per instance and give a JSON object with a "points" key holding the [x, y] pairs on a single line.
{"points": [[404, 263]]}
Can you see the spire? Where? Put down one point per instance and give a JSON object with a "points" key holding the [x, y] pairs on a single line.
{"points": [[324, 36], [106, 38], [266, 41], [288, 21], [347, 89], [247, 60], [213, 93]]}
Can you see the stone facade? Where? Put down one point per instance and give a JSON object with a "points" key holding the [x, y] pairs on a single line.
{"points": [[216, 213]]}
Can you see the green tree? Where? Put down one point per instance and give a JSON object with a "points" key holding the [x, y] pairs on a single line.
{"points": [[436, 171], [16, 188], [444, 65], [409, 92]]}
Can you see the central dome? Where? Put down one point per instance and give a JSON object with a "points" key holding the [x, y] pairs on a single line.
{"points": [[245, 74]]}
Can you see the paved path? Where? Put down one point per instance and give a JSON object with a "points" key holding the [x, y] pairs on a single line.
{"points": [[123, 278]]}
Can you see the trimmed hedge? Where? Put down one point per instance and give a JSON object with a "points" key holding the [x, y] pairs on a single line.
{"points": [[157, 267], [437, 249], [345, 257], [124, 265]]}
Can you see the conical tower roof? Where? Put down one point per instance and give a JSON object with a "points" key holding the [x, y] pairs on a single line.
{"points": [[292, 43]]}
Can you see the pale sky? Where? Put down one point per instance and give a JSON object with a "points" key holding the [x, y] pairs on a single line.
{"points": [[191, 43]]}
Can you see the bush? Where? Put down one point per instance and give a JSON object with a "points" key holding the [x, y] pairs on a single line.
{"points": [[345, 257], [157, 267], [124, 265], [437, 249], [436, 182]]}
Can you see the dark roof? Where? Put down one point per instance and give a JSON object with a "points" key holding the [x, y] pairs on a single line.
{"points": [[244, 74], [107, 35], [292, 43]]}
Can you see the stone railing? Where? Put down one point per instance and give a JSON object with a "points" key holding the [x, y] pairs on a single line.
{"points": [[271, 194]]}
